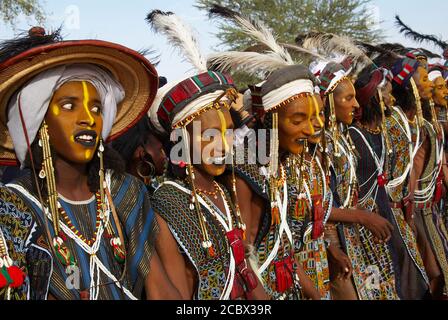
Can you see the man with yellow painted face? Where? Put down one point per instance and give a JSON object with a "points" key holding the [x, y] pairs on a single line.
{"points": [[95, 230], [287, 102], [201, 230], [436, 75], [349, 255], [382, 120], [426, 183], [411, 88]]}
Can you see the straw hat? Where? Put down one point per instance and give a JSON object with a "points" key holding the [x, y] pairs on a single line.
{"points": [[135, 73]]}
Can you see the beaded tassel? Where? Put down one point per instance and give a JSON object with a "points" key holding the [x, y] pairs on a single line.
{"points": [[63, 254], [383, 123], [435, 122], [333, 125], [418, 103], [207, 245]]}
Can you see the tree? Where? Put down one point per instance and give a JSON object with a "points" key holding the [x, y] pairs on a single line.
{"points": [[289, 18], [11, 9]]}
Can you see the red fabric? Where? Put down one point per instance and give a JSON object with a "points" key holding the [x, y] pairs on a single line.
{"points": [[235, 238], [439, 188], [17, 276], [3, 282], [284, 274], [318, 217], [206, 79], [382, 180], [364, 94]]}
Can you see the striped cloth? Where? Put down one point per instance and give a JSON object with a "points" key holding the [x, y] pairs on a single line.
{"points": [[139, 227]]}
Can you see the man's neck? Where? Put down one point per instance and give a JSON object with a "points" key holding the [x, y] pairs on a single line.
{"points": [[72, 180], [203, 180]]}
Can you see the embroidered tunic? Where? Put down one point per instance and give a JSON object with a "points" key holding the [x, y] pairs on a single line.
{"points": [[428, 209], [269, 235], [410, 281], [22, 236], [172, 202], [311, 253], [139, 227], [357, 240]]}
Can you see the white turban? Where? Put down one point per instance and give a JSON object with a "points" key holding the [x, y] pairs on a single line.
{"points": [[34, 99]]}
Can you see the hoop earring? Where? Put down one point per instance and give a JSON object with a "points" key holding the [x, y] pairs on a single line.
{"points": [[152, 171]]}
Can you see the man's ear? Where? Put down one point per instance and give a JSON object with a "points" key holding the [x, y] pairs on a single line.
{"points": [[139, 153]]}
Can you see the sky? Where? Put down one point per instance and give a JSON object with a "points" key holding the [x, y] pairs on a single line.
{"points": [[122, 21]]}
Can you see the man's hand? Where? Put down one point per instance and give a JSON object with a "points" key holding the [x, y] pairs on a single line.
{"points": [[340, 265], [379, 226]]}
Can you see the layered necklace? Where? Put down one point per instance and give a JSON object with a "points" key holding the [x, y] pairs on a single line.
{"points": [[405, 129], [380, 173], [64, 228], [346, 150], [426, 194]]}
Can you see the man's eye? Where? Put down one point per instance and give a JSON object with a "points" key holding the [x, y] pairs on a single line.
{"points": [[96, 109], [67, 106]]}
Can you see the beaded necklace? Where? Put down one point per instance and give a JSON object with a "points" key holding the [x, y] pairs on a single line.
{"points": [[425, 195], [380, 171]]}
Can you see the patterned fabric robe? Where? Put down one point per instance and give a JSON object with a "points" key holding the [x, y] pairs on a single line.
{"points": [[410, 280], [48, 276]]}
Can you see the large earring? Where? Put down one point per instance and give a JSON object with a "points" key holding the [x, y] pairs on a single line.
{"points": [[63, 254], [333, 125], [150, 168]]}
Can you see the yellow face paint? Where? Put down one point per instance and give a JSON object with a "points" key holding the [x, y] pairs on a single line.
{"points": [[222, 119], [88, 154], [55, 109], [310, 111], [316, 105], [86, 102], [72, 138]]}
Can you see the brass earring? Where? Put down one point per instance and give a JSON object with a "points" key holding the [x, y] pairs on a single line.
{"points": [[141, 170]]}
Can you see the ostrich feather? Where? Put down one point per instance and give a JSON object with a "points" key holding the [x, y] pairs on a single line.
{"points": [[329, 44], [252, 63], [418, 37], [253, 28], [180, 36]]}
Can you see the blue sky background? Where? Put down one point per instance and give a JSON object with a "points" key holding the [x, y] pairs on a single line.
{"points": [[122, 21]]}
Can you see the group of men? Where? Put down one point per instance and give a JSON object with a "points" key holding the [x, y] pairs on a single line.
{"points": [[133, 188]]}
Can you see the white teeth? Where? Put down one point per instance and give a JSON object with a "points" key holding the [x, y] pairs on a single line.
{"points": [[85, 138]]}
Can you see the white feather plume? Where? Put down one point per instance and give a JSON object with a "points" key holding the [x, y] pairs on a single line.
{"points": [[252, 63], [180, 35], [255, 29], [329, 44]]}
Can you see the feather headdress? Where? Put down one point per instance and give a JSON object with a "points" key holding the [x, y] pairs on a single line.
{"points": [[418, 37], [267, 56], [329, 44], [180, 36], [336, 48], [31, 39], [255, 29]]}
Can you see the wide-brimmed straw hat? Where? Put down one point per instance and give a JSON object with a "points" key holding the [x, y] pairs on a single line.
{"points": [[134, 72]]}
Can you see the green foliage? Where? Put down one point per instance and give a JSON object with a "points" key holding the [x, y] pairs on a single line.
{"points": [[11, 9], [289, 18]]}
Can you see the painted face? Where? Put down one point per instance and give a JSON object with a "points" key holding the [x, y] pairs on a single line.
{"points": [[388, 98], [345, 102], [215, 147], [294, 124], [317, 119], [424, 85], [440, 92], [75, 121]]}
